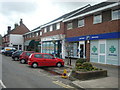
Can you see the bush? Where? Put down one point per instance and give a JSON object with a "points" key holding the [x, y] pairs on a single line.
{"points": [[78, 64], [81, 60], [87, 65]]}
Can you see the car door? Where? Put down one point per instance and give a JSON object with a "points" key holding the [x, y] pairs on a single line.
{"points": [[39, 59], [49, 60]]}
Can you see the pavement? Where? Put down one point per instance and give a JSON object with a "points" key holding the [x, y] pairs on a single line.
{"points": [[106, 83]]}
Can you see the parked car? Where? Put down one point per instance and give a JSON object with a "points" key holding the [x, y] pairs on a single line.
{"points": [[44, 59], [24, 56], [16, 55], [4, 49], [9, 52]]}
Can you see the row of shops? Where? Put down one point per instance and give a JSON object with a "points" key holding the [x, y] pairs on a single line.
{"points": [[102, 48]]}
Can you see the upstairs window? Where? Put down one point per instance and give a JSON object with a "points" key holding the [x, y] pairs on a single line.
{"points": [[51, 28], [115, 14], [69, 26], [97, 19], [58, 26], [36, 33], [41, 33], [81, 23], [45, 30]]}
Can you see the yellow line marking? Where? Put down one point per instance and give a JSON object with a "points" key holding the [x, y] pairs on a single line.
{"points": [[62, 84]]}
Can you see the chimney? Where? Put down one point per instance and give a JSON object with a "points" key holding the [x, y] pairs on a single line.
{"points": [[16, 25], [9, 28], [21, 22]]}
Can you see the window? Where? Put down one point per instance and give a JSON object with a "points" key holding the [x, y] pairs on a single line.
{"points": [[115, 14], [40, 33], [58, 26], [81, 23], [45, 30], [38, 56], [32, 34], [46, 56], [28, 54], [36, 33], [51, 28], [97, 19], [69, 26]]}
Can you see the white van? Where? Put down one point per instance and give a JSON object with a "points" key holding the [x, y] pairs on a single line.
{"points": [[6, 49]]}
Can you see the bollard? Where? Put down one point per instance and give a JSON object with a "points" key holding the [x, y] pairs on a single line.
{"points": [[64, 75]]}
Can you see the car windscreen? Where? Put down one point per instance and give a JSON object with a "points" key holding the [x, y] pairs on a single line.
{"points": [[28, 53]]}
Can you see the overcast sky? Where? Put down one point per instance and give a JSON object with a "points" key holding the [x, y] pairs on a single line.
{"points": [[36, 12]]}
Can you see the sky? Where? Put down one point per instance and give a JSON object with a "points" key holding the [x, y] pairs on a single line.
{"points": [[36, 12]]}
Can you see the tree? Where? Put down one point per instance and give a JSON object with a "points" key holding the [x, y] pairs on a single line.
{"points": [[68, 50]]}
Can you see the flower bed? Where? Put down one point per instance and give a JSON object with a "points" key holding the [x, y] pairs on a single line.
{"points": [[85, 70], [89, 74]]}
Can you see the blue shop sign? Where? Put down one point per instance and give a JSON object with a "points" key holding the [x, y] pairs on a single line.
{"points": [[95, 37]]}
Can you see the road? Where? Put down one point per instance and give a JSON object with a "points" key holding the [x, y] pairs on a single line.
{"points": [[16, 75]]}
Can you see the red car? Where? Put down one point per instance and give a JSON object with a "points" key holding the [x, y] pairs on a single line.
{"points": [[24, 56], [44, 59]]}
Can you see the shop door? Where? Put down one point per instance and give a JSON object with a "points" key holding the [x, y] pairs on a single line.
{"points": [[82, 49], [102, 51]]}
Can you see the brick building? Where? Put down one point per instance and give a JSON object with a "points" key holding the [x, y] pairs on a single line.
{"points": [[92, 32], [14, 37]]}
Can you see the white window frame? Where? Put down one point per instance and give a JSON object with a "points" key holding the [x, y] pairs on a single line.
{"points": [[45, 30], [69, 24], [57, 26], [81, 22], [51, 28], [41, 33], [115, 14], [96, 17], [36, 33]]}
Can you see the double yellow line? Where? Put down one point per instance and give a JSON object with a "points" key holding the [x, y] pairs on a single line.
{"points": [[62, 84]]}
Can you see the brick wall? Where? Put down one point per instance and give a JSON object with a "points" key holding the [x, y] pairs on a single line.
{"points": [[90, 28]]}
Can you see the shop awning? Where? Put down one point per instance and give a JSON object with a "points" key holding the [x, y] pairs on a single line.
{"points": [[26, 43]]}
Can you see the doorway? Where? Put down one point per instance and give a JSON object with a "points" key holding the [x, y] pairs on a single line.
{"points": [[102, 51], [82, 49]]}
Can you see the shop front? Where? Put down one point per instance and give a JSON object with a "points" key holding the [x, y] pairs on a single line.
{"points": [[76, 49], [104, 48], [53, 45]]}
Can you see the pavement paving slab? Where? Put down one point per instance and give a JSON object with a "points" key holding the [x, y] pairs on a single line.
{"points": [[107, 82]]}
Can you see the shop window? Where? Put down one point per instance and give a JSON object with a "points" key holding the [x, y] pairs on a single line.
{"points": [[81, 23], [97, 19], [69, 26], [58, 26], [115, 14]]}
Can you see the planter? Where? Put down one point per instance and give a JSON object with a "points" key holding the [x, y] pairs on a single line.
{"points": [[89, 74]]}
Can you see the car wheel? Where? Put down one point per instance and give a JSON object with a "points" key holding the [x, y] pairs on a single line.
{"points": [[59, 64], [16, 58], [22, 61], [34, 65]]}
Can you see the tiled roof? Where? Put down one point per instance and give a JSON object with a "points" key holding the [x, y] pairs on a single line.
{"points": [[94, 7], [68, 14], [22, 29]]}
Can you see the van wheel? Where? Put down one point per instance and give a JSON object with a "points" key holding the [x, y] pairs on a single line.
{"points": [[16, 58], [59, 64], [34, 65], [22, 61]]}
